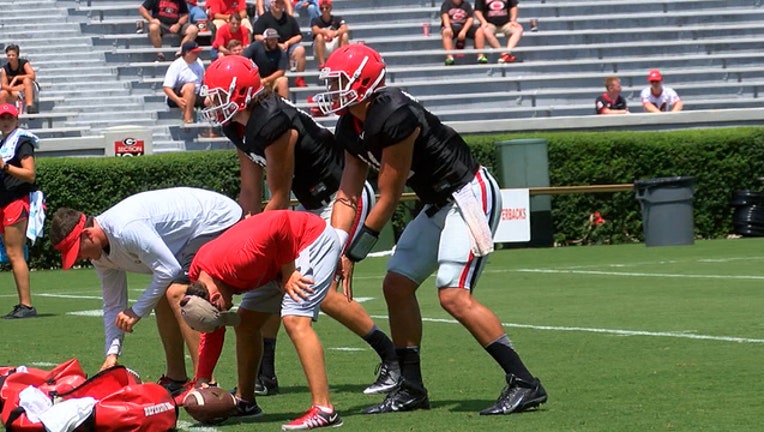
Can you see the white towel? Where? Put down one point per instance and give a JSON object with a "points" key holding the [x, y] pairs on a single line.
{"points": [[36, 215], [477, 223], [34, 402], [67, 415], [8, 149]]}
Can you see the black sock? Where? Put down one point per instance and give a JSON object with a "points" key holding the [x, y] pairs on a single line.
{"points": [[411, 369], [501, 350], [382, 344], [268, 363]]}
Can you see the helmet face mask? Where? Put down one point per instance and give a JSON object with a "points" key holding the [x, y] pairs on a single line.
{"points": [[229, 85], [352, 74]]}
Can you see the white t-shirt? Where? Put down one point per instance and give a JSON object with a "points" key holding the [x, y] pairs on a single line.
{"points": [[180, 73], [664, 101], [146, 233]]}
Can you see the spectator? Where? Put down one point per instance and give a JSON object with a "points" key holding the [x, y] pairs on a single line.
{"points": [[220, 10], [311, 7], [235, 47], [233, 30], [183, 81], [18, 80], [385, 129], [290, 35], [500, 16], [284, 264], [17, 192], [264, 5], [156, 233], [329, 33], [611, 102], [197, 15], [456, 21], [271, 61], [167, 17], [658, 98]]}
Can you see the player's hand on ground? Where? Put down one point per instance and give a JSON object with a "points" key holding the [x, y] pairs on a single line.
{"points": [[298, 286], [111, 361], [126, 320]]}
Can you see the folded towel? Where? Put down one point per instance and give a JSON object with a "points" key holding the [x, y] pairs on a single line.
{"points": [[477, 223], [36, 215]]}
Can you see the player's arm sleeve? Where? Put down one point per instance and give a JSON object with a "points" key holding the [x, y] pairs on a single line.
{"points": [[210, 348], [153, 252], [114, 292]]}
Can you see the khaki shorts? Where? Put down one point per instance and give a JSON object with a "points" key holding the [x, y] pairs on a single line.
{"points": [[506, 28], [330, 46]]}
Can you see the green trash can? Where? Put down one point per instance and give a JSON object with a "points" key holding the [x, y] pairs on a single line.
{"points": [[666, 210], [524, 163]]}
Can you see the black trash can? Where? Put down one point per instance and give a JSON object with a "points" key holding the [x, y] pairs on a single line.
{"points": [[666, 210]]}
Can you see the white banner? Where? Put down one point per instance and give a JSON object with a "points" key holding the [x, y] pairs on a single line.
{"points": [[515, 224]]}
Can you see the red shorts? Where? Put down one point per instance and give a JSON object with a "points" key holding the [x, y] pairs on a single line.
{"points": [[14, 213]]}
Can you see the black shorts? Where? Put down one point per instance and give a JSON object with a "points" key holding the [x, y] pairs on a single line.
{"points": [[457, 28], [187, 255], [198, 102]]}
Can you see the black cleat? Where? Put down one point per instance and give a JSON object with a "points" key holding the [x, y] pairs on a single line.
{"points": [[387, 380], [403, 398], [518, 396], [266, 386]]}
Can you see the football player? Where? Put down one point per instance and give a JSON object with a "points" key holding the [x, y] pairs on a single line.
{"points": [[303, 158], [384, 128]]}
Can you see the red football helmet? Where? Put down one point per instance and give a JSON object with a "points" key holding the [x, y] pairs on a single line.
{"points": [[230, 83], [352, 73]]}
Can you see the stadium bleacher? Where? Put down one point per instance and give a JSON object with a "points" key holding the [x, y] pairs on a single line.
{"points": [[96, 72]]}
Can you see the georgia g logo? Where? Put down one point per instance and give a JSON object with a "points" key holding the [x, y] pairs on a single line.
{"points": [[129, 141]]}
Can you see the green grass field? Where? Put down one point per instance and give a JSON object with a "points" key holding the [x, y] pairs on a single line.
{"points": [[624, 338]]}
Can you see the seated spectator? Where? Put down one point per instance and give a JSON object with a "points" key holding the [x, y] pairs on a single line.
{"points": [[220, 10], [167, 17], [18, 81], [271, 61], [235, 47], [329, 33], [197, 15], [183, 81], [499, 16], [658, 98], [310, 7], [611, 102], [233, 30], [456, 21], [290, 35], [264, 5]]}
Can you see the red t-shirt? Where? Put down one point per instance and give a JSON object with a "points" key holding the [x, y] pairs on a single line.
{"points": [[226, 7], [248, 255], [224, 36], [251, 253]]}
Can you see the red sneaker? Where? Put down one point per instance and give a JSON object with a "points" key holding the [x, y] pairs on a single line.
{"points": [[300, 82], [507, 58], [312, 419]]}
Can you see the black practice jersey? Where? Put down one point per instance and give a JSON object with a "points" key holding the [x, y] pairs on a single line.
{"points": [[442, 161], [318, 159]]}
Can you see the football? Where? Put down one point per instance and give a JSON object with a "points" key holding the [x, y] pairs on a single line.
{"points": [[210, 405]]}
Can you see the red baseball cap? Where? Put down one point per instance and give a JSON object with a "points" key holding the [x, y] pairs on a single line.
{"points": [[654, 75], [70, 245], [9, 109], [325, 2]]}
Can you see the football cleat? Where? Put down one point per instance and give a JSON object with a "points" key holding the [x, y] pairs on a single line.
{"points": [[245, 409], [314, 418], [517, 396], [174, 387], [266, 386], [388, 378], [403, 398]]}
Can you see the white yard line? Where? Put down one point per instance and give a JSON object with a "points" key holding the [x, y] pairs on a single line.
{"points": [[632, 274], [618, 332], [183, 425]]}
